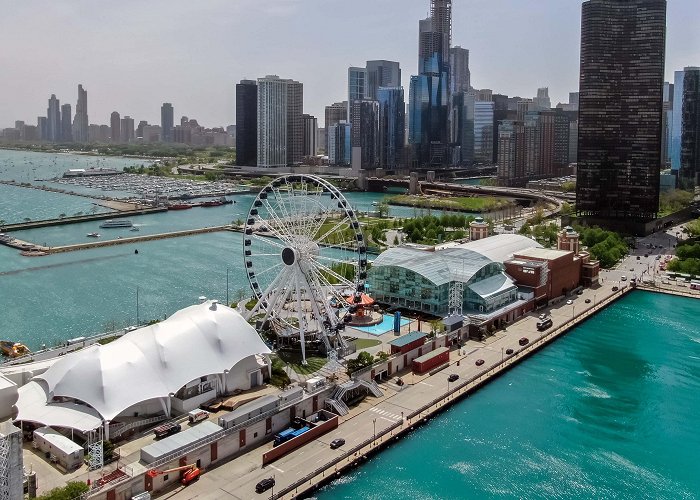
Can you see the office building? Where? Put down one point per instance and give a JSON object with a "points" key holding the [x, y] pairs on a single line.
{"points": [[462, 128], [339, 146], [689, 174], [167, 122], [151, 134], [620, 108], [392, 126], [542, 101], [357, 87], [310, 135], [246, 122], [127, 130], [666, 124], [66, 124], [116, 127], [53, 120], [81, 120], [676, 120]]}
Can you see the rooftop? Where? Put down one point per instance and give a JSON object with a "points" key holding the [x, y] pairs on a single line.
{"points": [[407, 339], [177, 441], [543, 253]]}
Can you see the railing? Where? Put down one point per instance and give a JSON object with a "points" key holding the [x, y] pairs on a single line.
{"points": [[122, 428]]}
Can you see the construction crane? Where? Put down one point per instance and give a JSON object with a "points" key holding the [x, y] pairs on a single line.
{"points": [[188, 473]]}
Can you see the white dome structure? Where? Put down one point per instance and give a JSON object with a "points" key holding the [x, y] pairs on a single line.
{"points": [[151, 363]]}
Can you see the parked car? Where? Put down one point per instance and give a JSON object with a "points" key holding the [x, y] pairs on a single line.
{"points": [[569, 302], [580, 292], [479, 362], [638, 257], [265, 485], [624, 278], [524, 341], [543, 315], [509, 351], [453, 377], [615, 289], [588, 301], [337, 443]]}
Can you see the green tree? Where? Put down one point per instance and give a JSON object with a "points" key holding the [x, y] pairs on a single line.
{"points": [[693, 227], [70, 491]]}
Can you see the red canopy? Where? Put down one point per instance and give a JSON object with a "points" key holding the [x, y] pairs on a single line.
{"points": [[365, 300]]}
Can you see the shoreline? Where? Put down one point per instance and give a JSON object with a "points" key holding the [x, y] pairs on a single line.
{"points": [[82, 153], [321, 477]]}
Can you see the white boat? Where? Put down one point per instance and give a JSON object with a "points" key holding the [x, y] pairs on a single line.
{"points": [[93, 235], [134, 229], [116, 223]]}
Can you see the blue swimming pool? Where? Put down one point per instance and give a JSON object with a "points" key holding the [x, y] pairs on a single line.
{"points": [[386, 325]]}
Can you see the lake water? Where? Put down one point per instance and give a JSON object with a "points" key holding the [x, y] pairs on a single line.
{"points": [[609, 411]]}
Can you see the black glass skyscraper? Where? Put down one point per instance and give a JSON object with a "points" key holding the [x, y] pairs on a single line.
{"points": [[690, 129], [620, 108], [246, 122]]}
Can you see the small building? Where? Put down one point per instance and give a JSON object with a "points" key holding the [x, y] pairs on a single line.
{"points": [[478, 229], [427, 362], [178, 442], [60, 449], [407, 342]]}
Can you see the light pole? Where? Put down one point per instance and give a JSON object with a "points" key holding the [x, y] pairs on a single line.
{"points": [[593, 300], [573, 312], [502, 354], [137, 307], [375, 429], [227, 301]]}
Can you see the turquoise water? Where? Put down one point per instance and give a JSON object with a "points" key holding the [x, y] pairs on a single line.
{"points": [[386, 325], [609, 411]]}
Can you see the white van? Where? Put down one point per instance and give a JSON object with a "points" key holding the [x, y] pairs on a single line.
{"points": [[197, 416]]}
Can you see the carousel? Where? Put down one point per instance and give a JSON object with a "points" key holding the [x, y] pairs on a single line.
{"points": [[363, 310]]}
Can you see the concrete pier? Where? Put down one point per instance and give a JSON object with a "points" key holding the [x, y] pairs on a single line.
{"points": [[20, 226]]}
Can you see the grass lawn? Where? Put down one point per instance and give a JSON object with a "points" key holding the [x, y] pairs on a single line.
{"points": [[294, 362], [366, 343], [467, 204]]}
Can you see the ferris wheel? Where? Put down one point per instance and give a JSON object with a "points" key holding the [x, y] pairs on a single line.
{"points": [[306, 260]]}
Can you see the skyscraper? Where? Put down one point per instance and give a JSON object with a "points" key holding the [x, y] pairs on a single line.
{"points": [[127, 130], [542, 101], [295, 122], [116, 127], [620, 106], [381, 74], [334, 114], [42, 128], [339, 148], [483, 132], [66, 125], [246, 122], [392, 125], [53, 120], [462, 128], [677, 120], [365, 134], [310, 135], [357, 86], [272, 121], [167, 122], [429, 91], [667, 120], [690, 136], [81, 121], [459, 70]]}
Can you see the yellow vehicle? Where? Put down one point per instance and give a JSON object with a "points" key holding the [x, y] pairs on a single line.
{"points": [[13, 349]]}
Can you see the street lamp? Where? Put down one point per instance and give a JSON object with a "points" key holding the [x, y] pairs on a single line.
{"points": [[502, 354], [375, 429], [227, 301], [594, 298], [573, 311]]}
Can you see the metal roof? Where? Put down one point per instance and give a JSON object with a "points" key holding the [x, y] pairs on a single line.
{"points": [[407, 339], [457, 263], [492, 285], [176, 442], [433, 354]]}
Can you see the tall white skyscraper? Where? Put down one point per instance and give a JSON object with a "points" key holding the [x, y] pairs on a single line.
{"points": [[80, 122], [280, 122]]}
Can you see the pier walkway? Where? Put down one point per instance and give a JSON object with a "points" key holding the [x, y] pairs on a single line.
{"points": [[24, 245], [21, 226]]}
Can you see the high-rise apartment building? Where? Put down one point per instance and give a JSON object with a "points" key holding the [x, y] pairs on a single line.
{"points": [[116, 127], [246, 122], [81, 121], [620, 107], [429, 91], [66, 124], [381, 73], [127, 130], [666, 124], [53, 120], [272, 122], [460, 76], [339, 147], [334, 114], [310, 135], [392, 125], [365, 134], [677, 120], [357, 87], [483, 132], [689, 173], [42, 128], [167, 122], [462, 128], [295, 122]]}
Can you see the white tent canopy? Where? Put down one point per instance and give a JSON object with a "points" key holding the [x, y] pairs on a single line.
{"points": [[152, 362]]}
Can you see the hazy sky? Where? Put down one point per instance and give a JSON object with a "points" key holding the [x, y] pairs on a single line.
{"points": [[133, 55]]}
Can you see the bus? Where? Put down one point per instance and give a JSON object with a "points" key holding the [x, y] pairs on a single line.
{"points": [[695, 285]]}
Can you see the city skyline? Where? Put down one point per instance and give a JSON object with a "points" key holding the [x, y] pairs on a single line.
{"points": [[223, 43]]}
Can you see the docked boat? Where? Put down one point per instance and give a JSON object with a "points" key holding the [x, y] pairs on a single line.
{"points": [[93, 235], [134, 229], [180, 206], [13, 349], [116, 223], [217, 203]]}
